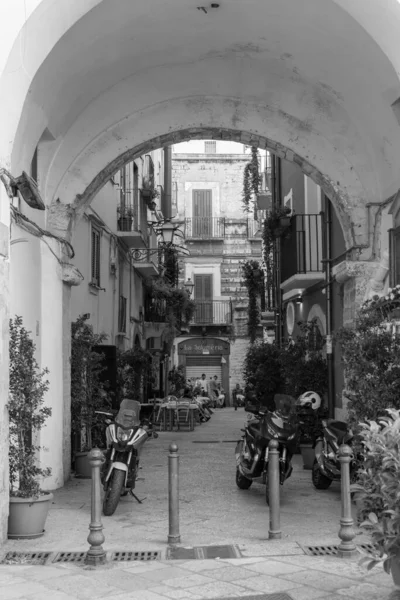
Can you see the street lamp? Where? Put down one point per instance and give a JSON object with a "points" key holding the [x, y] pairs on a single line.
{"points": [[189, 285], [166, 231]]}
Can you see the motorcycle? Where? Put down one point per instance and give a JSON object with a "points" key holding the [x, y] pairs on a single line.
{"points": [[125, 437], [252, 449], [326, 467]]}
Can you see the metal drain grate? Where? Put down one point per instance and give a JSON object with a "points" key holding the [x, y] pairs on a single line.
{"points": [[321, 550], [275, 596], [135, 556], [203, 552], [70, 557], [368, 548], [25, 558]]}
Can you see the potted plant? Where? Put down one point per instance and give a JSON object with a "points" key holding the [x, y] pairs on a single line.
{"points": [[150, 194], [377, 491], [125, 218], [264, 200], [29, 505], [87, 394]]}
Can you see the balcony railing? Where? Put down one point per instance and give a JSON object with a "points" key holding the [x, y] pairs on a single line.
{"points": [[127, 218], [302, 247], [212, 312], [220, 227]]}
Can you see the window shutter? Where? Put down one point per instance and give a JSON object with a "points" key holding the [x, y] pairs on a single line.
{"points": [[95, 257], [203, 287]]}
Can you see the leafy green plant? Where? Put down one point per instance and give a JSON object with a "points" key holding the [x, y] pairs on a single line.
{"points": [[251, 179], [371, 360], [254, 282], [88, 392], [177, 381], [377, 492], [173, 303], [134, 369], [261, 371], [27, 415]]}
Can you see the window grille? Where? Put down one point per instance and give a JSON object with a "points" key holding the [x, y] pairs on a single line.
{"points": [[210, 147], [95, 279]]}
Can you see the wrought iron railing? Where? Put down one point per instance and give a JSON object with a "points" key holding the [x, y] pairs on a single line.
{"points": [[302, 246], [212, 312], [221, 227]]}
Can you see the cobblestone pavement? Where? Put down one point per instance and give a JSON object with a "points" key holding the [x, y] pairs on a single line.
{"points": [[212, 511]]}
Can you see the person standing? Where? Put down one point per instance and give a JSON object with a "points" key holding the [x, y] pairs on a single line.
{"points": [[214, 391]]}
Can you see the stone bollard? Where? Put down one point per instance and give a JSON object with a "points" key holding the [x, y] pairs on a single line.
{"points": [[173, 494], [96, 554], [274, 532], [347, 548]]}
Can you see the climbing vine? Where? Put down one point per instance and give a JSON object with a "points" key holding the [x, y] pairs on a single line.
{"points": [[251, 179], [254, 282]]}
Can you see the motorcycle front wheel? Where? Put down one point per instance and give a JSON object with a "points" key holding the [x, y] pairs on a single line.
{"points": [[113, 492], [241, 481], [320, 481]]}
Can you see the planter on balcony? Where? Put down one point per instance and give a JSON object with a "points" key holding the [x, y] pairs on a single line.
{"points": [[284, 222], [125, 223]]}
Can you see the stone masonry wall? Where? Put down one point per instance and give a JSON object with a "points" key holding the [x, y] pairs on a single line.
{"points": [[238, 352]]}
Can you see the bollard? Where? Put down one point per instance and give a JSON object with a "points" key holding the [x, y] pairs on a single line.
{"points": [[96, 554], [274, 532], [173, 494], [347, 548]]}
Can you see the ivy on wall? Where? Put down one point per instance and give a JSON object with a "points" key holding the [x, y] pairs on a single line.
{"points": [[254, 282], [251, 179]]}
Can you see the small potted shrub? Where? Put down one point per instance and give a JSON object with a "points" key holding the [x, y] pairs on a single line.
{"points": [[377, 492], [29, 505]]}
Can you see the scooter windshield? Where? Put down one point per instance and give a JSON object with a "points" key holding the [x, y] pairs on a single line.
{"points": [[128, 414]]}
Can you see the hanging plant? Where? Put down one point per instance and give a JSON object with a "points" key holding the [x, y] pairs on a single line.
{"points": [[251, 179], [274, 227], [174, 302], [254, 282]]}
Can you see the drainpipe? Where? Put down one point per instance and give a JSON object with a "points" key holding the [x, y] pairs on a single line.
{"points": [[328, 279], [278, 296], [167, 208]]}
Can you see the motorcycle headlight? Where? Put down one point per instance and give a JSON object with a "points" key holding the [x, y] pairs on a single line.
{"points": [[123, 435]]}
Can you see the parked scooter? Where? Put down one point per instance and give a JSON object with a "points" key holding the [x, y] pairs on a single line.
{"points": [[326, 466], [125, 438], [252, 450]]}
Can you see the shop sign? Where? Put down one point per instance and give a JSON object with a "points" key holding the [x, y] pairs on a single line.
{"points": [[204, 346]]}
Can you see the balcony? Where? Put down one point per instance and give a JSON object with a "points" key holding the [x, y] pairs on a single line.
{"points": [[302, 254], [212, 312], [131, 221], [146, 261], [208, 228]]}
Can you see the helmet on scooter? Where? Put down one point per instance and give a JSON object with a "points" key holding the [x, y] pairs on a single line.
{"points": [[310, 400]]}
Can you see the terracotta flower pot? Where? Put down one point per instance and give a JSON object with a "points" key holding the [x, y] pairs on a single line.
{"points": [[27, 516], [308, 454]]}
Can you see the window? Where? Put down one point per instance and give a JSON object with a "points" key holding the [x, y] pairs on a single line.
{"points": [[95, 279], [122, 315], [202, 213], [203, 293], [210, 147]]}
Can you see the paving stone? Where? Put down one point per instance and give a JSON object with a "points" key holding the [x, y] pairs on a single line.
{"points": [[22, 590], [306, 593], [317, 580], [274, 567], [230, 573], [207, 565], [81, 587], [363, 591], [187, 581], [218, 589], [267, 584], [164, 574]]}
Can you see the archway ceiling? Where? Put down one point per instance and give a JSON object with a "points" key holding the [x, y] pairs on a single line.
{"points": [[305, 74]]}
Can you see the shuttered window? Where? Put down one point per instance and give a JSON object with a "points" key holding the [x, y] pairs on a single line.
{"points": [[202, 213], [95, 279], [210, 147], [203, 287]]}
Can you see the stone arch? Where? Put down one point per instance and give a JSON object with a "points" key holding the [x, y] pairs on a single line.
{"points": [[337, 194]]}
